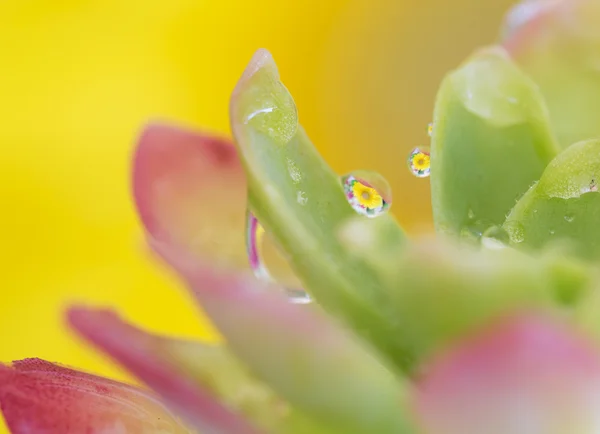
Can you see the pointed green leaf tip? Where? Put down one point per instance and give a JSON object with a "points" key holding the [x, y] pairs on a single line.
{"points": [[301, 203], [564, 207], [491, 141]]}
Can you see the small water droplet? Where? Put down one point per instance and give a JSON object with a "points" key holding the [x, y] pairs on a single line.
{"points": [[473, 230], [470, 214], [294, 171], [367, 192], [430, 129], [419, 162], [254, 236], [495, 238], [569, 218], [552, 231], [269, 106], [301, 198], [515, 231]]}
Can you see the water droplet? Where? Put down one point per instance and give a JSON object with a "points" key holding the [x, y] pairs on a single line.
{"points": [[515, 231], [269, 106], [470, 214], [254, 237], [430, 129], [473, 230], [419, 162], [552, 231], [294, 171], [367, 192], [569, 218], [495, 238], [301, 198]]}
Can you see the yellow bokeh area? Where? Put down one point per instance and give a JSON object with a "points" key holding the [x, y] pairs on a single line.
{"points": [[79, 78]]}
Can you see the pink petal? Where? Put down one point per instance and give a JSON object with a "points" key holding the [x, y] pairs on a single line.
{"points": [[527, 375], [304, 357], [40, 397], [190, 190], [139, 353]]}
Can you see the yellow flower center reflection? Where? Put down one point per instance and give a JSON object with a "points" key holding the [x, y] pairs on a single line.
{"points": [[421, 161], [367, 196]]}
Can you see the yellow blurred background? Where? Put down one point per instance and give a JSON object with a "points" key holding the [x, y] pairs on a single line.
{"points": [[80, 77]]}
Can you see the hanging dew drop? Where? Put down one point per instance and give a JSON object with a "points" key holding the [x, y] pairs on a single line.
{"points": [[254, 237], [367, 192], [419, 162]]}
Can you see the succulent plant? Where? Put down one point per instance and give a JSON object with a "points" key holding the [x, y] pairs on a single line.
{"points": [[348, 325]]}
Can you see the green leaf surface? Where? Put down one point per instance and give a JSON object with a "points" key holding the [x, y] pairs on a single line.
{"points": [[564, 206], [301, 203], [556, 42], [217, 369], [490, 142], [445, 291]]}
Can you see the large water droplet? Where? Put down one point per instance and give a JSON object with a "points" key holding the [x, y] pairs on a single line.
{"points": [[269, 106], [419, 162], [367, 192], [254, 237], [515, 231], [569, 218], [495, 238]]}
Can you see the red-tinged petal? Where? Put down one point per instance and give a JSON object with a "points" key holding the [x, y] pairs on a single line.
{"points": [[527, 375], [139, 353], [40, 397], [314, 365], [190, 190]]}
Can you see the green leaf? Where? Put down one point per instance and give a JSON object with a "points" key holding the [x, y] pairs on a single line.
{"points": [[490, 141], [556, 44], [216, 368], [446, 291], [564, 206], [301, 203]]}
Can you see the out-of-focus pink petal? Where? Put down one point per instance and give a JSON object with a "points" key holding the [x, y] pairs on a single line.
{"points": [[139, 353], [314, 365], [190, 190], [556, 43], [527, 375], [40, 397]]}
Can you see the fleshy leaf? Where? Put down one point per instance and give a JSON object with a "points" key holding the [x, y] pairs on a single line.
{"points": [[211, 367], [557, 46], [317, 367], [190, 190], [40, 397], [564, 206], [491, 140], [153, 362], [445, 291], [301, 202], [524, 375]]}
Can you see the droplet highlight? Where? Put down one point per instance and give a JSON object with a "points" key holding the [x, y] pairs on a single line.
{"points": [[495, 238], [419, 162], [367, 192], [430, 129], [254, 236], [515, 231]]}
